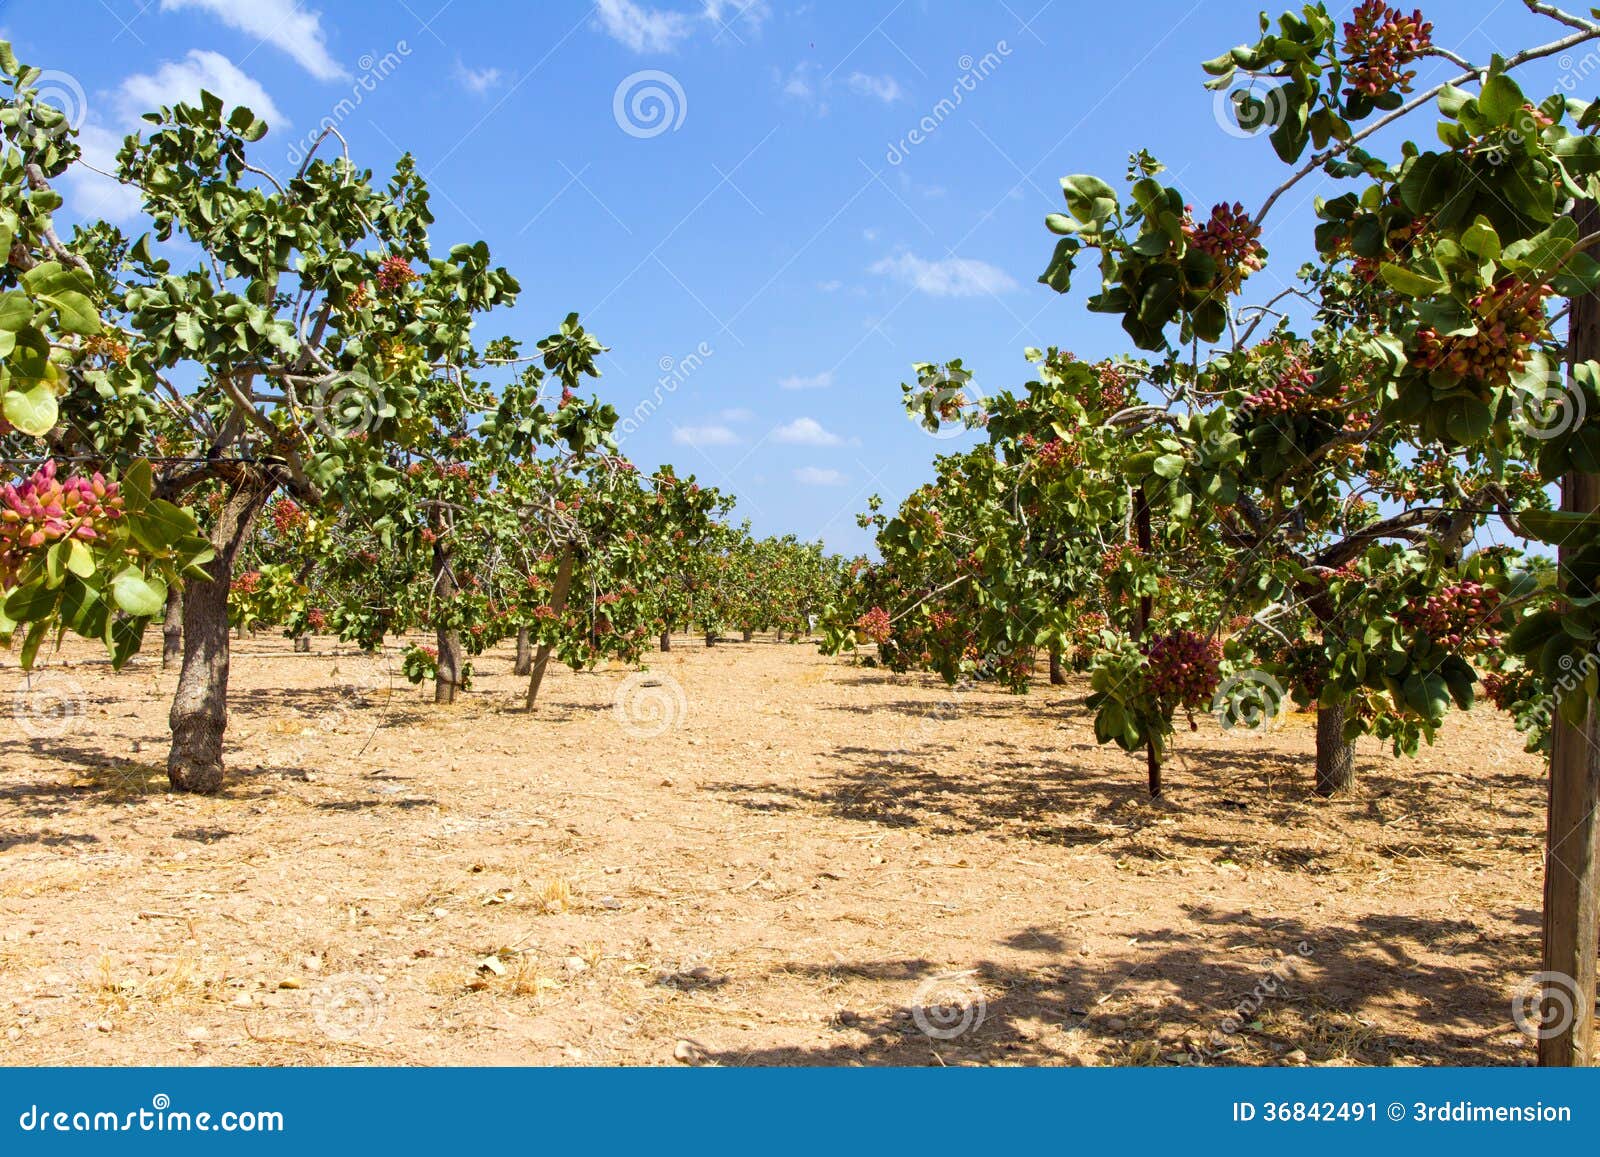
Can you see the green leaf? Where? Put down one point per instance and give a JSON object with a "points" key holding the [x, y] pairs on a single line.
{"points": [[1501, 100], [33, 411], [139, 595], [80, 559], [1403, 280], [1168, 466], [1481, 240], [1089, 199], [1556, 526]]}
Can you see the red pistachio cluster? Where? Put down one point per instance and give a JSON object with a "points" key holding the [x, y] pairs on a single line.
{"points": [[1506, 688], [1183, 668], [1455, 614], [1232, 240], [246, 584], [395, 274], [875, 625], [1510, 319], [1379, 42], [1118, 553], [1116, 386], [1306, 666], [1086, 630], [1290, 394], [1056, 452], [42, 509], [286, 517]]}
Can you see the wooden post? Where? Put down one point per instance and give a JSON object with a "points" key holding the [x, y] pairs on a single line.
{"points": [[558, 603], [1572, 836]]}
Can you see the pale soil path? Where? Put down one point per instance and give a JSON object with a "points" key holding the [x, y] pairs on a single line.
{"points": [[782, 878]]}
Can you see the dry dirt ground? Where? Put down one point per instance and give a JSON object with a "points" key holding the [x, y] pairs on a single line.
{"points": [[815, 862]]}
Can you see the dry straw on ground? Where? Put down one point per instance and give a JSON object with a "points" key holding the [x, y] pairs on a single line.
{"points": [[772, 881]]}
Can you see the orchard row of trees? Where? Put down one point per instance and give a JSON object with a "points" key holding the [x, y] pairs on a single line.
{"points": [[281, 419], [1340, 491]]}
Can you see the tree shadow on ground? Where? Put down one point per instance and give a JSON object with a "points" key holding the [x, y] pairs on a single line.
{"points": [[1233, 989], [1257, 806]]}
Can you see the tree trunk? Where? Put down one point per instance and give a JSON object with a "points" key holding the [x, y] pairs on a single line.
{"points": [[748, 634], [302, 644], [447, 674], [711, 638], [779, 637], [1057, 675], [199, 716], [1336, 755], [172, 628], [666, 640], [1572, 839], [1141, 525], [558, 603], [524, 666]]}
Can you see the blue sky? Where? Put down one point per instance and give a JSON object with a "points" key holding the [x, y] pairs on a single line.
{"points": [[729, 193]]}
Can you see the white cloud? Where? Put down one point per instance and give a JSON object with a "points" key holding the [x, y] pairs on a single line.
{"points": [[950, 277], [182, 80], [817, 476], [812, 382], [704, 436], [754, 12], [642, 29], [737, 414], [798, 82], [886, 88], [94, 195], [478, 80], [830, 285], [806, 432], [282, 23]]}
